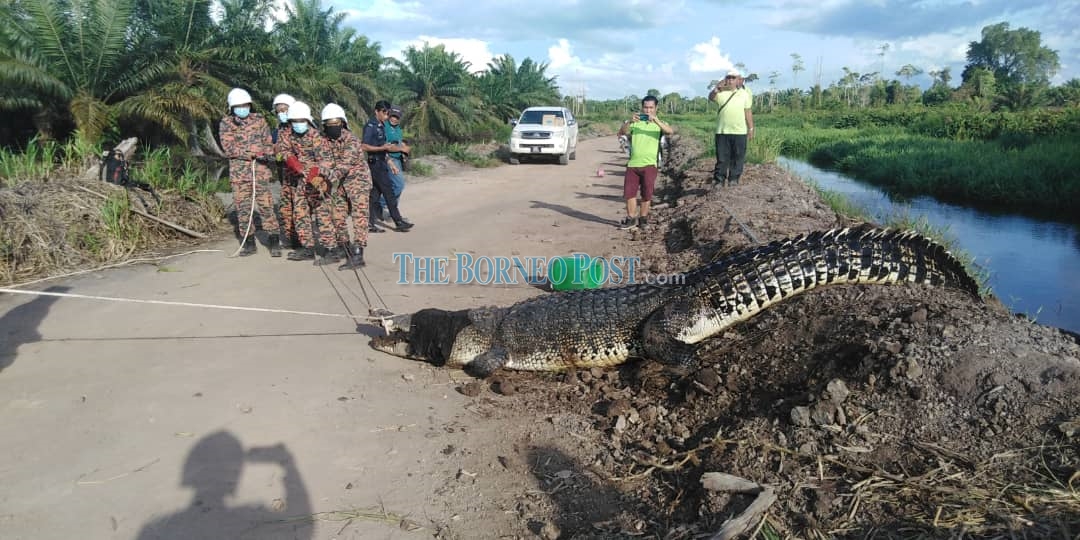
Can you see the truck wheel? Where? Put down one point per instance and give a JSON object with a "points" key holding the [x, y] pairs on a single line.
{"points": [[564, 159], [514, 160]]}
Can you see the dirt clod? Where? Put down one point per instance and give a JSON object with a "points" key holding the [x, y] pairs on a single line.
{"points": [[471, 388]]}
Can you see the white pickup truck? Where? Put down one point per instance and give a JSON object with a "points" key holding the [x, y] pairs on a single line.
{"points": [[544, 131]]}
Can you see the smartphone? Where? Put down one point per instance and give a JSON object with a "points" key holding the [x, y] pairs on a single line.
{"points": [[643, 117]]}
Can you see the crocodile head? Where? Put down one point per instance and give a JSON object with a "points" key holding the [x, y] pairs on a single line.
{"points": [[431, 335]]}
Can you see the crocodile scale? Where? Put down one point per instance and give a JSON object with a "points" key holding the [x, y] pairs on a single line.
{"points": [[667, 323]]}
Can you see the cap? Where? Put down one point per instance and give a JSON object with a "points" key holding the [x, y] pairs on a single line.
{"points": [[734, 73], [395, 111]]}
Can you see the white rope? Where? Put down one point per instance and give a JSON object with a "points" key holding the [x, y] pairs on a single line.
{"points": [[251, 215], [188, 304], [114, 265]]}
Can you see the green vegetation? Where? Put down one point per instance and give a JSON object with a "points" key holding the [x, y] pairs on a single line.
{"points": [[462, 154], [420, 168], [104, 69], [85, 73], [1020, 160]]}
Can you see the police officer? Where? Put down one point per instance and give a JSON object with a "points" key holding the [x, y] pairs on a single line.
{"points": [[375, 146]]}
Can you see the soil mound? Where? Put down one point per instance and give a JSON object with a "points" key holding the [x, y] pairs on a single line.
{"points": [[869, 411]]}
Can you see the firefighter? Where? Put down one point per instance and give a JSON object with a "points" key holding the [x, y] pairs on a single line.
{"points": [[350, 181]]}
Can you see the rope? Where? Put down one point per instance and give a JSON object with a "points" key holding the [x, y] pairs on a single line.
{"points": [[348, 257], [188, 304], [251, 215], [114, 265]]}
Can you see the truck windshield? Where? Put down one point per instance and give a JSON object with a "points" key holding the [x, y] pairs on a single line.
{"points": [[542, 117]]}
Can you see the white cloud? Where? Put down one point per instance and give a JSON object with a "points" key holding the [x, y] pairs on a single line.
{"points": [[707, 57], [942, 48], [560, 55], [476, 52], [388, 10]]}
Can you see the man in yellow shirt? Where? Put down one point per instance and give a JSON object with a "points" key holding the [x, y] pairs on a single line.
{"points": [[734, 128], [645, 130]]}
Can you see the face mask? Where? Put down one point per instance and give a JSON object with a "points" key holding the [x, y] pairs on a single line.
{"points": [[299, 127], [242, 112], [283, 117], [333, 132]]}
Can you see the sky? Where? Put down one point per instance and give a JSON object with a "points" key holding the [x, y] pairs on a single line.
{"points": [[609, 49]]}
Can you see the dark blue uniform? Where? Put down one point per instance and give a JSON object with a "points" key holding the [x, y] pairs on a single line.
{"points": [[375, 135]]}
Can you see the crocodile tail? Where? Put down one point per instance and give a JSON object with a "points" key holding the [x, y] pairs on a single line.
{"points": [[862, 254], [738, 287]]}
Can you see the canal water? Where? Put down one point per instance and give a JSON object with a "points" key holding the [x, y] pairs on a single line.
{"points": [[1033, 265]]}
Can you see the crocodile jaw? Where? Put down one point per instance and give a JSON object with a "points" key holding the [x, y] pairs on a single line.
{"points": [[430, 335]]}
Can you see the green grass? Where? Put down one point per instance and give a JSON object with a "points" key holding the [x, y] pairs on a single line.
{"points": [[461, 154], [1041, 176], [37, 160], [419, 168], [119, 225]]}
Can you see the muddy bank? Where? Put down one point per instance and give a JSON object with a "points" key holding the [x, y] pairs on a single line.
{"points": [[897, 411]]}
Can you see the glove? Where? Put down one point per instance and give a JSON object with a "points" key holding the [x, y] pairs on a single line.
{"points": [[317, 182], [294, 165]]}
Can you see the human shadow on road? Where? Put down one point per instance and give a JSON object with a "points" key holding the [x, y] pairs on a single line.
{"points": [[613, 198], [608, 186], [20, 325], [213, 471], [577, 214]]}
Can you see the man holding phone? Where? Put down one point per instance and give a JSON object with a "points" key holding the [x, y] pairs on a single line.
{"points": [[644, 130], [734, 128]]}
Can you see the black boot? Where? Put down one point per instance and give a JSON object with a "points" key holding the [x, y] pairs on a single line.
{"points": [[402, 226], [274, 244], [301, 254], [324, 256], [717, 178], [354, 257], [249, 247]]}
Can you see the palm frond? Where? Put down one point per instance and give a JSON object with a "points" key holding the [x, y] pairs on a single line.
{"points": [[24, 72], [110, 24], [91, 115], [50, 30]]}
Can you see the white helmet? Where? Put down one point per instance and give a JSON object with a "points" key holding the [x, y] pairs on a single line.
{"points": [[333, 110], [300, 111], [238, 96], [283, 99]]}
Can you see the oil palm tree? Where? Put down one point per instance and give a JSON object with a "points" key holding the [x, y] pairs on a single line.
{"points": [[73, 62], [324, 62], [436, 93], [507, 88], [201, 60]]}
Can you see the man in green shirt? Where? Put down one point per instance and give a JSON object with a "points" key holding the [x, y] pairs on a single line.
{"points": [[734, 128], [645, 130]]}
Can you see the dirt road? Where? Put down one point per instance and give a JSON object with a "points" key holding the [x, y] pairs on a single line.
{"points": [[154, 421]]}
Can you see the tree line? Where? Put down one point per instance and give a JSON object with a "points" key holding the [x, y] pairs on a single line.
{"points": [[97, 70], [1006, 70]]}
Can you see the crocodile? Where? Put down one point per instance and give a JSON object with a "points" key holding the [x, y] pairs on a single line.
{"points": [[666, 323]]}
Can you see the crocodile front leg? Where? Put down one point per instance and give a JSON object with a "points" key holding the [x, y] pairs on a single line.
{"points": [[664, 332]]}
